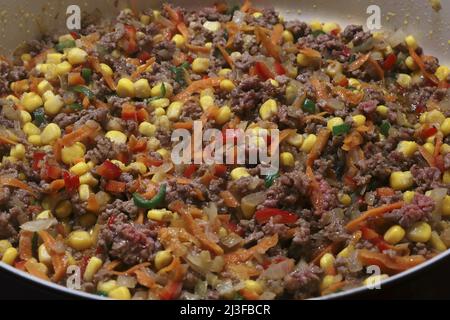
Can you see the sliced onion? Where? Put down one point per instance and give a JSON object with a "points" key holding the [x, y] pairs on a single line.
{"points": [[211, 211], [396, 38], [9, 112], [140, 295], [38, 225], [217, 264], [238, 17], [251, 201], [59, 246], [231, 240], [164, 168], [438, 196], [200, 262], [279, 270], [335, 104], [126, 281], [365, 46], [201, 289]]}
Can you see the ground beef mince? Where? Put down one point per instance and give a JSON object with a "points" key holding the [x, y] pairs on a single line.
{"points": [[359, 155]]}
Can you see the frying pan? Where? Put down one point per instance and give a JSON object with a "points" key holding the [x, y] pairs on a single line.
{"points": [[22, 20]]}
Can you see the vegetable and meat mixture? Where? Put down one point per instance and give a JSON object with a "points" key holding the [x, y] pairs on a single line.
{"points": [[86, 177]]}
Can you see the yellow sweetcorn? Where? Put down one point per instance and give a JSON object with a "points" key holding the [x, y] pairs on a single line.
{"points": [[79, 240], [446, 177], [71, 154], [63, 209], [330, 27], [408, 148], [44, 256], [410, 63], [287, 159], [44, 86], [224, 115], [106, 69], [239, 172], [147, 129], [88, 179], [382, 110], [138, 167], [80, 168], [157, 90], [327, 261], [436, 242], [411, 42], [375, 279], [359, 119], [76, 56], [54, 58], [309, 143], [345, 199], [408, 196], [334, 122], [51, 133], [268, 109], [125, 88], [35, 140], [120, 293], [116, 136], [394, 234], [401, 180], [442, 73], [10, 255], [446, 206], [254, 286], [63, 68], [142, 88], [429, 147], [31, 101], [53, 105], [160, 103], [227, 85], [200, 65], [404, 80], [106, 286], [316, 25], [4, 244], [84, 192], [92, 267], [206, 101], [224, 72], [18, 151], [159, 214], [432, 117], [179, 40], [445, 127], [419, 232], [295, 140], [174, 110], [212, 26], [287, 36], [162, 259]]}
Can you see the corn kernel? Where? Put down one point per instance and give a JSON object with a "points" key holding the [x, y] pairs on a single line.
{"points": [[106, 69], [47, 95], [410, 63], [334, 68], [160, 103], [106, 286], [138, 166], [142, 88], [375, 280], [77, 56], [53, 105], [303, 60], [10, 256], [120, 293], [92, 267], [411, 42], [174, 110], [401, 180], [162, 259], [125, 88], [179, 40], [63, 68], [295, 140], [25, 57], [80, 168], [70, 154], [200, 65], [206, 102], [35, 140], [334, 122], [445, 127], [31, 101], [63, 209], [287, 36], [54, 58], [268, 109], [147, 129], [84, 192], [408, 196], [394, 235], [316, 26], [257, 15], [352, 82], [309, 142], [18, 151], [238, 173], [434, 116], [330, 27], [345, 199], [442, 73], [345, 253], [224, 72], [208, 45], [4, 244], [429, 147], [227, 85], [46, 214], [437, 243], [446, 206], [408, 148], [88, 179], [235, 55], [159, 214], [212, 26], [44, 86], [404, 80], [44, 256], [382, 110], [157, 90], [51, 133], [254, 286], [116, 136], [359, 119], [224, 115], [327, 281], [25, 116], [446, 177], [79, 240], [287, 159], [419, 232], [327, 261]]}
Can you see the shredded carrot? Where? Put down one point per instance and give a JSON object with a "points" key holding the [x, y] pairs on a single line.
{"points": [[142, 68], [201, 49], [352, 140], [197, 86], [16, 183], [33, 268], [144, 279], [85, 131], [348, 95], [226, 56], [310, 53], [358, 63], [379, 70], [6, 140], [320, 89], [242, 255], [194, 228], [427, 156], [420, 63], [181, 26], [56, 185], [173, 15], [277, 34], [229, 200], [25, 245], [183, 125], [272, 50], [132, 269], [385, 192], [246, 6], [315, 193], [59, 260], [108, 79], [331, 248], [112, 265], [321, 142], [333, 288], [372, 213], [286, 133], [140, 217]]}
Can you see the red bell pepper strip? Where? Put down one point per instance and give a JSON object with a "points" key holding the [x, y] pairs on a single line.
{"points": [[263, 71], [51, 172], [373, 237], [129, 112], [115, 186], [189, 171], [71, 182], [109, 170], [219, 170], [37, 158], [279, 69], [390, 62], [279, 216], [171, 291], [130, 44], [428, 132]]}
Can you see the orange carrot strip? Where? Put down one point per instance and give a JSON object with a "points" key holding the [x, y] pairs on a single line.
{"points": [[277, 34], [58, 260], [229, 200], [144, 279], [197, 86], [320, 89], [272, 50], [246, 6], [181, 26], [194, 48], [108, 79], [418, 60], [371, 213], [427, 156], [25, 245], [322, 140], [226, 56], [358, 63], [142, 68], [132, 269], [13, 182], [85, 131], [242, 255], [379, 70], [33, 269]]}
